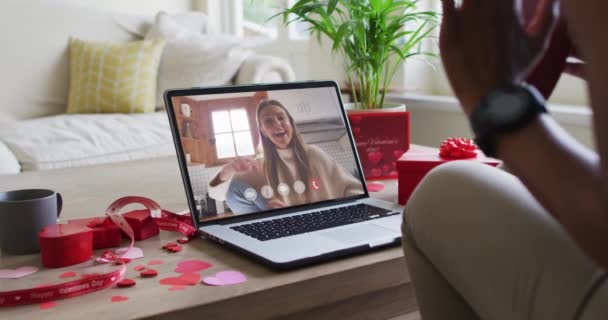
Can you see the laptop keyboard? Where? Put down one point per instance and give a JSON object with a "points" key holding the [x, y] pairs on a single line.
{"points": [[314, 221]]}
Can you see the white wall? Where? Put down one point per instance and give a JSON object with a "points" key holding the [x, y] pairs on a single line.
{"points": [[140, 7], [309, 104]]}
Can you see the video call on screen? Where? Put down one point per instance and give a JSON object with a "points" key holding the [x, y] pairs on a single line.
{"points": [[256, 151]]}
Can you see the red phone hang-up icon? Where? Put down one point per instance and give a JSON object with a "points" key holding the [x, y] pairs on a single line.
{"points": [[315, 183]]}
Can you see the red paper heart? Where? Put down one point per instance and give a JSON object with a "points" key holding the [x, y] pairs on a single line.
{"points": [[189, 266], [376, 172], [184, 240], [47, 305], [170, 244], [139, 267], [150, 273], [125, 283], [155, 262], [183, 280], [374, 157], [174, 249], [119, 298], [69, 274]]}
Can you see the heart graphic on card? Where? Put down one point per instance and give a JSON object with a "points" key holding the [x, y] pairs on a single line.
{"points": [[183, 280], [398, 153], [225, 278], [188, 266], [376, 172], [356, 130], [374, 157], [17, 273]]}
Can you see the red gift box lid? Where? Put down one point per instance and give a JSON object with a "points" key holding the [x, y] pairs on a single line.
{"points": [[58, 234], [138, 217], [421, 158]]}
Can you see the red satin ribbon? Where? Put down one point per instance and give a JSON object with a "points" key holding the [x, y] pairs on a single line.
{"points": [[166, 221]]}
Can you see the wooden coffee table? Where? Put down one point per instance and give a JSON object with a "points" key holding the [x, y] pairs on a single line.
{"points": [[370, 286]]}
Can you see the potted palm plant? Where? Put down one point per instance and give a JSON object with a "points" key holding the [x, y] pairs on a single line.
{"points": [[374, 37]]}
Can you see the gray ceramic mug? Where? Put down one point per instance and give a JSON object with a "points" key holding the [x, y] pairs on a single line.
{"points": [[23, 213]]}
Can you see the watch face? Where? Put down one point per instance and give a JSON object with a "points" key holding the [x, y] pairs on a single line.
{"points": [[506, 107]]}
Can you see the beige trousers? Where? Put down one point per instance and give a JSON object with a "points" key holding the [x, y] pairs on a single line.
{"points": [[479, 246]]}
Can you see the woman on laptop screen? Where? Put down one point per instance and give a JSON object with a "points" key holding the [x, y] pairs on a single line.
{"points": [[289, 173]]}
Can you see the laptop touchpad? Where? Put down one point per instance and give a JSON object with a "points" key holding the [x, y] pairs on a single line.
{"points": [[358, 233]]}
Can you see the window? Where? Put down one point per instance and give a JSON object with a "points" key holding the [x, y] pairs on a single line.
{"points": [[257, 16], [232, 133]]}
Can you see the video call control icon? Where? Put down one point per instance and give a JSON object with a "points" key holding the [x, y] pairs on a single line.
{"points": [[299, 187], [267, 192], [315, 183], [250, 194], [283, 189]]}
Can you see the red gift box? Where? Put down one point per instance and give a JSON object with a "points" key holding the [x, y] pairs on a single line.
{"points": [[105, 233], [63, 245], [142, 223], [418, 161]]}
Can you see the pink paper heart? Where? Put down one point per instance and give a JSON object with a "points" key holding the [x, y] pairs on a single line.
{"points": [[69, 274], [155, 262], [119, 298], [133, 253], [225, 278], [17, 273], [47, 305], [188, 266]]}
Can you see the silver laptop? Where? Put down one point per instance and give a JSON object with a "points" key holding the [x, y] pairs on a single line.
{"points": [[272, 171]]}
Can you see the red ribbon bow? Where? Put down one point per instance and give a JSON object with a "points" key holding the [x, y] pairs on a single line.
{"points": [[458, 148]]}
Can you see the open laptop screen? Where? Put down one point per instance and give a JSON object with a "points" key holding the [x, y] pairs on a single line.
{"points": [[254, 151]]}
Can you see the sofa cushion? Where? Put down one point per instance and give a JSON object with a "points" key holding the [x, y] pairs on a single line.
{"points": [[8, 162], [113, 77], [78, 140], [192, 59]]}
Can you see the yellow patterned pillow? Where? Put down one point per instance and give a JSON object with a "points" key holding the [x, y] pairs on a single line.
{"points": [[113, 77]]}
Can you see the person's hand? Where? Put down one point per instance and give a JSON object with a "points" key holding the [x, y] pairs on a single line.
{"points": [[484, 44], [276, 204], [240, 164]]}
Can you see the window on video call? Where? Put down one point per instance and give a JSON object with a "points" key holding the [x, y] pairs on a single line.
{"points": [[258, 151]]}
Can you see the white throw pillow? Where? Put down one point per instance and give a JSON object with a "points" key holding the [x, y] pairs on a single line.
{"points": [[193, 59], [85, 139], [8, 162]]}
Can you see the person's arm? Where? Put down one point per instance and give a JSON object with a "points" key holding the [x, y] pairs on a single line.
{"points": [[482, 49]]}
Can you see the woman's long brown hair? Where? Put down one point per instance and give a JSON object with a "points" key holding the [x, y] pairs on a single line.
{"points": [[271, 156]]}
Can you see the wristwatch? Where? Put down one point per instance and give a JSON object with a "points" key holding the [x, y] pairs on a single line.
{"points": [[505, 110]]}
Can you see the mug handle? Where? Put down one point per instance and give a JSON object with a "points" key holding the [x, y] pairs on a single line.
{"points": [[59, 203]]}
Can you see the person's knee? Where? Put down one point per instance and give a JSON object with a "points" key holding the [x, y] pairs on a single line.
{"points": [[436, 195]]}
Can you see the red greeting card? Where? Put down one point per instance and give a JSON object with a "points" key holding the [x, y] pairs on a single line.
{"points": [[381, 139]]}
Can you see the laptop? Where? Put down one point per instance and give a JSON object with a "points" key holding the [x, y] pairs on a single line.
{"points": [[272, 171]]}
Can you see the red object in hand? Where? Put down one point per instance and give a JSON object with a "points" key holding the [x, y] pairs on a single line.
{"points": [[63, 245], [105, 233], [458, 148], [142, 223]]}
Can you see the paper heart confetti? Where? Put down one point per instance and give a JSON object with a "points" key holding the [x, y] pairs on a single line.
{"points": [[17, 273], [188, 266], [225, 278], [125, 283], [186, 279], [155, 262], [184, 240], [178, 288], [150, 273], [139, 267], [69, 274], [47, 305], [133, 253], [119, 298], [375, 187]]}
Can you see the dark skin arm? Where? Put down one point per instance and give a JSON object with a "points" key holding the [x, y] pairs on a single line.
{"points": [[483, 46]]}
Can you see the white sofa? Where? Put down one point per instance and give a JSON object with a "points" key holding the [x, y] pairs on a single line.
{"points": [[35, 132]]}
